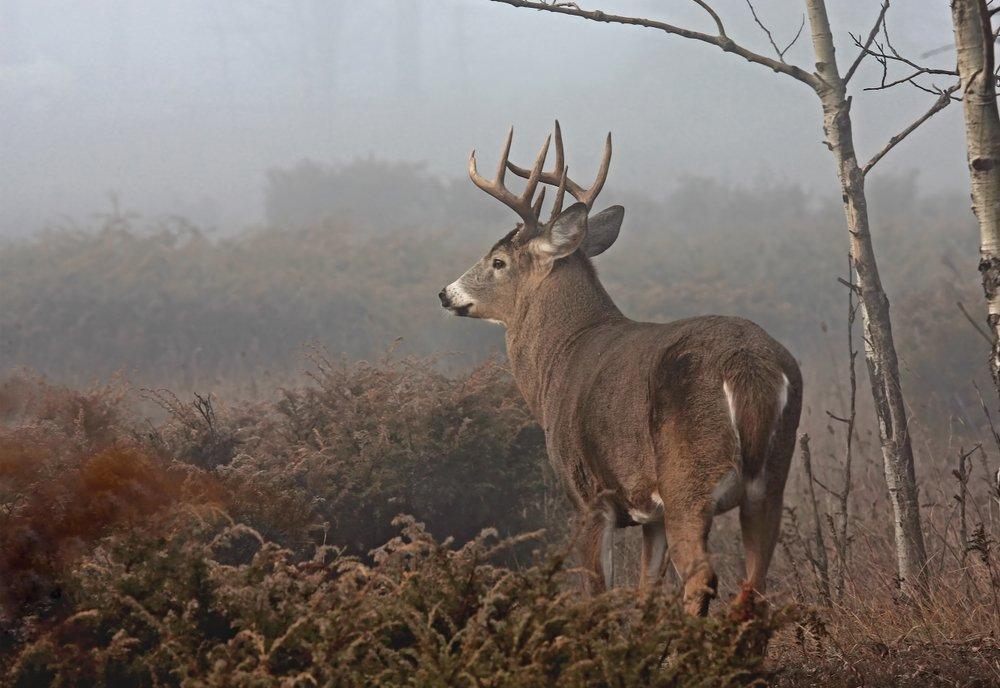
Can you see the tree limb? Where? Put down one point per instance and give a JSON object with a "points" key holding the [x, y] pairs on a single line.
{"points": [[867, 44], [718, 22], [767, 32], [972, 321], [882, 56], [941, 103], [720, 41]]}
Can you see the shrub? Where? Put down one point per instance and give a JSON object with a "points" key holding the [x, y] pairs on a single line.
{"points": [[341, 456], [168, 612], [71, 472]]}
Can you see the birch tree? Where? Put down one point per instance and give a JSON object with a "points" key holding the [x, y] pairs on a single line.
{"points": [[974, 43], [830, 86]]}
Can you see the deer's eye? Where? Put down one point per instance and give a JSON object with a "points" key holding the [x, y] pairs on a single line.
{"points": [[498, 264]]}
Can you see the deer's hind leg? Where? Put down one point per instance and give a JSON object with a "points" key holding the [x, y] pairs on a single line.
{"points": [[694, 457], [691, 471], [687, 533]]}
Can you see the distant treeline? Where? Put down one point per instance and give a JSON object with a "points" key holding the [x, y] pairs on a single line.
{"points": [[353, 257]]}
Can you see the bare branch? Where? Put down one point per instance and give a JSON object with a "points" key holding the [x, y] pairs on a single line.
{"points": [[886, 53], [893, 56], [902, 80], [850, 285], [972, 321], [718, 22], [767, 32], [820, 563], [837, 418], [941, 103], [868, 42], [795, 38], [724, 43]]}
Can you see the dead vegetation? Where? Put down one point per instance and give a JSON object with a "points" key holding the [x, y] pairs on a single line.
{"points": [[128, 558], [125, 565]]}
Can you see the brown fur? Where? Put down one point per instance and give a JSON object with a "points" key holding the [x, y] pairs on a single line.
{"points": [[633, 409]]}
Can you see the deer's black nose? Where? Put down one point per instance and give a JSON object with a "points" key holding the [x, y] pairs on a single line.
{"points": [[444, 298]]}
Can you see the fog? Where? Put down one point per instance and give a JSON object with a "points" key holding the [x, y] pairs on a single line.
{"points": [[180, 108]]}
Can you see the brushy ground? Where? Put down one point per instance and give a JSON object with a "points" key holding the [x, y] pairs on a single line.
{"points": [[127, 558], [255, 545]]}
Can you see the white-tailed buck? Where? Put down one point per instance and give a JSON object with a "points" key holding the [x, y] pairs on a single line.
{"points": [[658, 425]]}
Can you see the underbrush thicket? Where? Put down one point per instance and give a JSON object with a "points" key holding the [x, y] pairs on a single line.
{"points": [[127, 554], [255, 545]]}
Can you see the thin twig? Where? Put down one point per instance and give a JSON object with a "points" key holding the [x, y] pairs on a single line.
{"points": [[722, 42], [850, 285], [941, 103], [868, 42], [820, 558], [770, 37], [718, 22], [893, 56], [972, 321]]}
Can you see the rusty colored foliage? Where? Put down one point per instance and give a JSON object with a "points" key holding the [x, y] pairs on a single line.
{"points": [[63, 518], [71, 472]]}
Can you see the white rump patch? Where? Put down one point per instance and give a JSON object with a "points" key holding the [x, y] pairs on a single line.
{"points": [[731, 405], [783, 394]]}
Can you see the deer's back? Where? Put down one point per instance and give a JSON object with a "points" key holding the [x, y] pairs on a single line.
{"points": [[618, 378]]}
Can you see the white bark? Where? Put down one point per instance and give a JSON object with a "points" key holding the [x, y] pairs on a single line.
{"points": [[880, 351], [975, 46]]}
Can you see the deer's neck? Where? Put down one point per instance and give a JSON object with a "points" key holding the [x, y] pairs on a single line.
{"points": [[569, 302]]}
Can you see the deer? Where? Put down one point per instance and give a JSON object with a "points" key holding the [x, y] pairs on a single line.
{"points": [[660, 425]]}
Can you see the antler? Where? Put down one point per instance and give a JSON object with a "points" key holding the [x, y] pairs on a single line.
{"points": [[557, 177], [520, 204]]}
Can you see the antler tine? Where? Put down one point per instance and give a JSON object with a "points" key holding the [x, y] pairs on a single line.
{"points": [[536, 171], [502, 166], [553, 178], [537, 207], [602, 175], [557, 176], [559, 167], [520, 204], [558, 202]]}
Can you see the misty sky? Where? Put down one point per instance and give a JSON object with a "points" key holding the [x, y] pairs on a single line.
{"points": [[179, 107]]}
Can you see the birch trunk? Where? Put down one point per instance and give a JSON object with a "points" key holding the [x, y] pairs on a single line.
{"points": [[880, 351], [974, 44]]}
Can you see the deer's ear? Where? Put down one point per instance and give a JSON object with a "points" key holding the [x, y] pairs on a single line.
{"points": [[602, 230], [563, 235]]}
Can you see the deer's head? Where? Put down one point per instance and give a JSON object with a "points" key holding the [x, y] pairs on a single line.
{"points": [[515, 266]]}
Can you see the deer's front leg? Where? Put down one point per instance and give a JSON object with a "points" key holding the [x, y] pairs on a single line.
{"points": [[654, 547], [594, 541]]}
